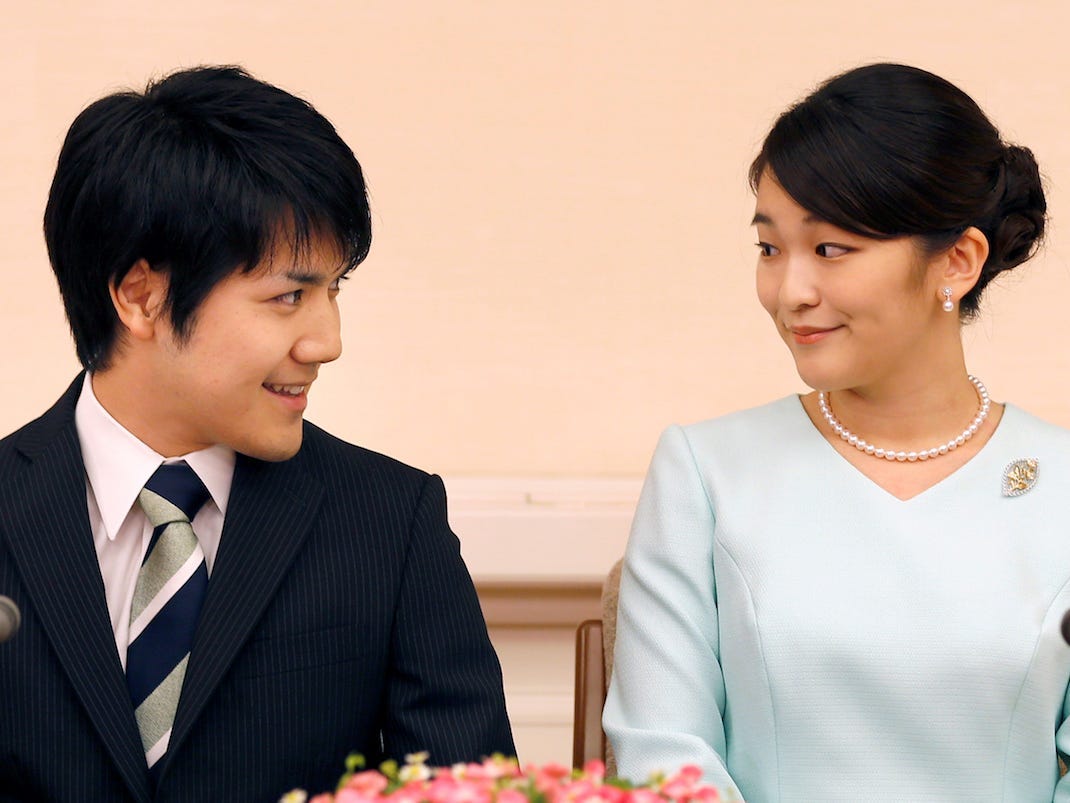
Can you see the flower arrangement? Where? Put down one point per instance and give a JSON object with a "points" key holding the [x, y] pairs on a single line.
{"points": [[501, 780]]}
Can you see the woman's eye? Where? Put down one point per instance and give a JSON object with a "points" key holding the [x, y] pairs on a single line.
{"points": [[830, 251], [767, 250]]}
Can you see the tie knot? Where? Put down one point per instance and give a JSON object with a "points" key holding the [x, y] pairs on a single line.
{"points": [[173, 493]]}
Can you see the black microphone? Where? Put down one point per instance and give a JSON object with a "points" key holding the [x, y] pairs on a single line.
{"points": [[9, 618]]}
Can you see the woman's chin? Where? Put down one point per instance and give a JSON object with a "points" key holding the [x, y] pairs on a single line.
{"points": [[817, 380]]}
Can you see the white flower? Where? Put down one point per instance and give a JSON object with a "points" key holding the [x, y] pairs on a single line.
{"points": [[414, 772]]}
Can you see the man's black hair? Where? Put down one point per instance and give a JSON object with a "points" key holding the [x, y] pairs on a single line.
{"points": [[199, 175]]}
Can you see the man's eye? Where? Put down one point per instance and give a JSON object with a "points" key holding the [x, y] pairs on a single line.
{"points": [[767, 250], [290, 298], [831, 251], [336, 285]]}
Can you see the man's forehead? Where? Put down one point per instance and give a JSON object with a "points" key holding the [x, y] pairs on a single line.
{"points": [[318, 259]]}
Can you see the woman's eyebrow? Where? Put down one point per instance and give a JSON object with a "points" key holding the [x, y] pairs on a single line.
{"points": [[765, 220]]}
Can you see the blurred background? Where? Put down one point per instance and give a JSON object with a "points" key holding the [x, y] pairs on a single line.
{"points": [[562, 262]]}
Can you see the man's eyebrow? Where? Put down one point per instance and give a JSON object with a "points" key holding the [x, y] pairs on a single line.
{"points": [[311, 277]]}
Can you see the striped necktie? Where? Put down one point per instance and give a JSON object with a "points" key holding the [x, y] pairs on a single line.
{"points": [[167, 602]]}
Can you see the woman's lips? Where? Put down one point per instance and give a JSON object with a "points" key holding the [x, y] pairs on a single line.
{"points": [[807, 335]]}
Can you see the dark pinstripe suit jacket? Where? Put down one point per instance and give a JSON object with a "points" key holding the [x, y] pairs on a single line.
{"points": [[339, 618]]}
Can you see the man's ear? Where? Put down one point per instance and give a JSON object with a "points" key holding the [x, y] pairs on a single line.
{"points": [[138, 299]]}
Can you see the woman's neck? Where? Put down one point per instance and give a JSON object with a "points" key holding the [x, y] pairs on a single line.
{"points": [[920, 415]]}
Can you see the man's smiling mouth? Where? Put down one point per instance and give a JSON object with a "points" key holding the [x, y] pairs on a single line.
{"points": [[287, 390]]}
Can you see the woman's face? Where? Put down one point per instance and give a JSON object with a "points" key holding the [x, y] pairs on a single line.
{"points": [[854, 311]]}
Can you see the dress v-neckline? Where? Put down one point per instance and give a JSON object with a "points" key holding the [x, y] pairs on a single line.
{"points": [[970, 466]]}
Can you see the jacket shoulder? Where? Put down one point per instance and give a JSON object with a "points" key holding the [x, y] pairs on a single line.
{"points": [[339, 462], [34, 437]]}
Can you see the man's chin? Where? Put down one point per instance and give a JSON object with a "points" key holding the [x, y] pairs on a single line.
{"points": [[274, 451]]}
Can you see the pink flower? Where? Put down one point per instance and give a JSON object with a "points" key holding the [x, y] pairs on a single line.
{"points": [[500, 780], [684, 787], [410, 793], [348, 795], [501, 767], [548, 776], [595, 770], [368, 783], [470, 772], [510, 796], [491, 769], [445, 788], [583, 790]]}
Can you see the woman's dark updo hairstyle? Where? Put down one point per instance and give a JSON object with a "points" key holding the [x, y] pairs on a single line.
{"points": [[888, 151]]}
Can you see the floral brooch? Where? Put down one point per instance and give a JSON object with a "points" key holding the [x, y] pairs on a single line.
{"points": [[1020, 476]]}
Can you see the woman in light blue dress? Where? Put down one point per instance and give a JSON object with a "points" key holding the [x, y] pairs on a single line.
{"points": [[855, 595]]}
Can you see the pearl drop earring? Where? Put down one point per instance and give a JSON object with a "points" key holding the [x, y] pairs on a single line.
{"points": [[949, 305]]}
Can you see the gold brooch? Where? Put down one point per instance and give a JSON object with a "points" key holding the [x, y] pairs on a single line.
{"points": [[1020, 476]]}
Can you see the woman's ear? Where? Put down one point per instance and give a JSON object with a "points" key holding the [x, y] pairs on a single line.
{"points": [[965, 259], [138, 299], [959, 267]]}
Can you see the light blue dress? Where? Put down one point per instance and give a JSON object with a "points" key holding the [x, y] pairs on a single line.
{"points": [[803, 635]]}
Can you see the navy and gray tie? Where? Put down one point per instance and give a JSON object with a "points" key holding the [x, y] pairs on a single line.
{"points": [[170, 590]]}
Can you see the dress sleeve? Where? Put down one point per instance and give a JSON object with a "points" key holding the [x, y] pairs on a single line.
{"points": [[1062, 745], [666, 701]]}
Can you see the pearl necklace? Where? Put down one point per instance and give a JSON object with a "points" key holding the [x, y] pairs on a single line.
{"points": [[924, 454]]}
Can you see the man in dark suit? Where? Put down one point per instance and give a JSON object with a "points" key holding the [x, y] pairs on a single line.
{"points": [[219, 600]]}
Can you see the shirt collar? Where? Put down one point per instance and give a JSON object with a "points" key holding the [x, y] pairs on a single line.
{"points": [[117, 464]]}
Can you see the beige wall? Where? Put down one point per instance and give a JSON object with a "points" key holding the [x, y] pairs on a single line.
{"points": [[562, 261]]}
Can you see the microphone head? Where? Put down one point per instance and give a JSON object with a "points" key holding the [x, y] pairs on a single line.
{"points": [[10, 619]]}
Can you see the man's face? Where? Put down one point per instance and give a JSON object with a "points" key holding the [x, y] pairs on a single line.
{"points": [[242, 377]]}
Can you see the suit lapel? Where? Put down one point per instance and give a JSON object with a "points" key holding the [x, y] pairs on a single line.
{"points": [[51, 543], [269, 513]]}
